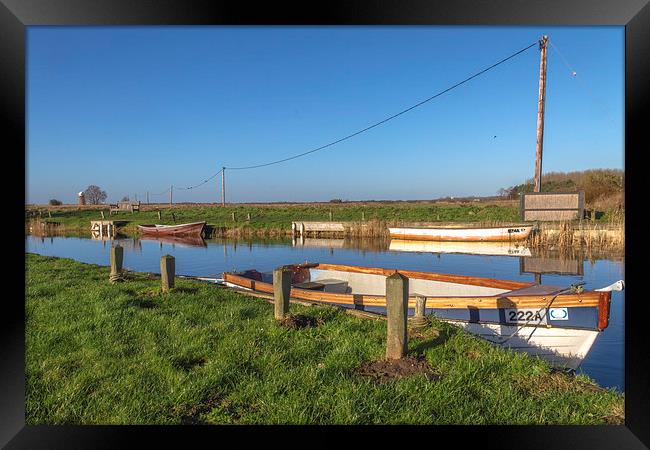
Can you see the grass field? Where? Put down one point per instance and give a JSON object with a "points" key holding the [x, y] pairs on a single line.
{"points": [[101, 353]]}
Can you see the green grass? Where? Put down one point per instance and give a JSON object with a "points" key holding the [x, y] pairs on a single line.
{"points": [[101, 353]]}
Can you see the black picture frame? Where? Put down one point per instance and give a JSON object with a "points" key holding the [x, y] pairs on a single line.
{"points": [[16, 15]]}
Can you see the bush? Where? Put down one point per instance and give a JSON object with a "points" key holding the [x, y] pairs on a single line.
{"points": [[55, 202], [336, 200]]}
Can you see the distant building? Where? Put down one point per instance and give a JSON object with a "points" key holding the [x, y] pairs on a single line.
{"points": [[82, 198]]}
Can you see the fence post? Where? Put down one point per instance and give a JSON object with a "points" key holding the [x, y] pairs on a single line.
{"points": [[159, 216], [363, 216], [233, 217], [167, 272], [397, 295], [117, 256], [281, 291]]}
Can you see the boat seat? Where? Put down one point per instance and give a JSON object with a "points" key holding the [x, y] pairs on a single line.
{"points": [[310, 285], [537, 289], [334, 285]]}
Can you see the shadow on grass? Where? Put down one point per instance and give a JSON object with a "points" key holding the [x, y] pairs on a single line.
{"points": [[430, 337]]}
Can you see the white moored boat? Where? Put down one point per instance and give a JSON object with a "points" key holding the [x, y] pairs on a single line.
{"points": [[555, 323], [509, 233]]}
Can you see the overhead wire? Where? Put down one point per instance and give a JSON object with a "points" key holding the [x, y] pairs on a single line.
{"points": [[390, 117]]}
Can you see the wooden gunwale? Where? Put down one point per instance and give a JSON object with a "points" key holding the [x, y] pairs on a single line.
{"points": [[585, 299]]}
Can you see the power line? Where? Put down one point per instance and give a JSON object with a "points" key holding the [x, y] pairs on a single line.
{"points": [[391, 117], [201, 183]]}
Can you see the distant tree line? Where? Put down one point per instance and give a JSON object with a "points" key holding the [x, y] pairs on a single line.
{"points": [[598, 184]]}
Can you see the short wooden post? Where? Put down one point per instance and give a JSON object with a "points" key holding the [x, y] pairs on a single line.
{"points": [[167, 272], [419, 320], [281, 291], [233, 217], [302, 229], [397, 295], [49, 214], [293, 228], [593, 215], [102, 213], [117, 256], [331, 215], [363, 215], [248, 216], [159, 216]]}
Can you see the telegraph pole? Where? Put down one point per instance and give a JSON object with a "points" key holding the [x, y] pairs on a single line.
{"points": [[171, 195], [223, 186], [147, 197], [543, 45]]}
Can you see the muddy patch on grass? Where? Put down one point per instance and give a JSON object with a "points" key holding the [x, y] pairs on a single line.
{"points": [[191, 414], [390, 369], [298, 321]]}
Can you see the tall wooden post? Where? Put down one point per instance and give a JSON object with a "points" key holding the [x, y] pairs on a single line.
{"points": [[223, 186], [397, 296], [167, 272], [543, 45], [281, 291]]}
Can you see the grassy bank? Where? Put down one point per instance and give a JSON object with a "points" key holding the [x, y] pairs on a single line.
{"points": [[98, 353], [275, 219]]}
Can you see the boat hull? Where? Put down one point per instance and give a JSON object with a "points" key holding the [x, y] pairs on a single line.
{"points": [[488, 234], [185, 229]]}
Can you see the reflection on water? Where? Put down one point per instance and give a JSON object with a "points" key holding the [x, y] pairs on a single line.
{"points": [[214, 256], [471, 248]]}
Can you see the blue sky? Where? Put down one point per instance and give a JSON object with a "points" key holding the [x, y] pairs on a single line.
{"points": [[137, 109]]}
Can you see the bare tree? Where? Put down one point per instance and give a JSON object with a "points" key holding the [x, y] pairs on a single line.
{"points": [[94, 195]]}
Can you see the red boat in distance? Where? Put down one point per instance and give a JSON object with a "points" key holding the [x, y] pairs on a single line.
{"points": [[184, 229]]}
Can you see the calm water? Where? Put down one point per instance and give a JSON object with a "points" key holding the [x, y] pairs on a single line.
{"points": [[605, 362]]}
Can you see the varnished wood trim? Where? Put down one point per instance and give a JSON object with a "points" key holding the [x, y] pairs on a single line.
{"points": [[460, 279], [586, 299]]}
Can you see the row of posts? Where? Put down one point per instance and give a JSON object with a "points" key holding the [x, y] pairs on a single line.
{"points": [[397, 297], [167, 268]]}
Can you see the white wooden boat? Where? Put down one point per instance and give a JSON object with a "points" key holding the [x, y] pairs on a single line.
{"points": [[552, 322], [509, 233], [472, 248]]}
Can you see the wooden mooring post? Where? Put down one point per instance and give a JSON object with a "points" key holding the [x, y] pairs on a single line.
{"points": [[167, 272], [159, 217], [419, 320], [397, 295], [117, 257], [281, 291]]}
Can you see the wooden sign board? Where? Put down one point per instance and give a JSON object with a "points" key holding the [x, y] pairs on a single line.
{"points": [[552, 206]]}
